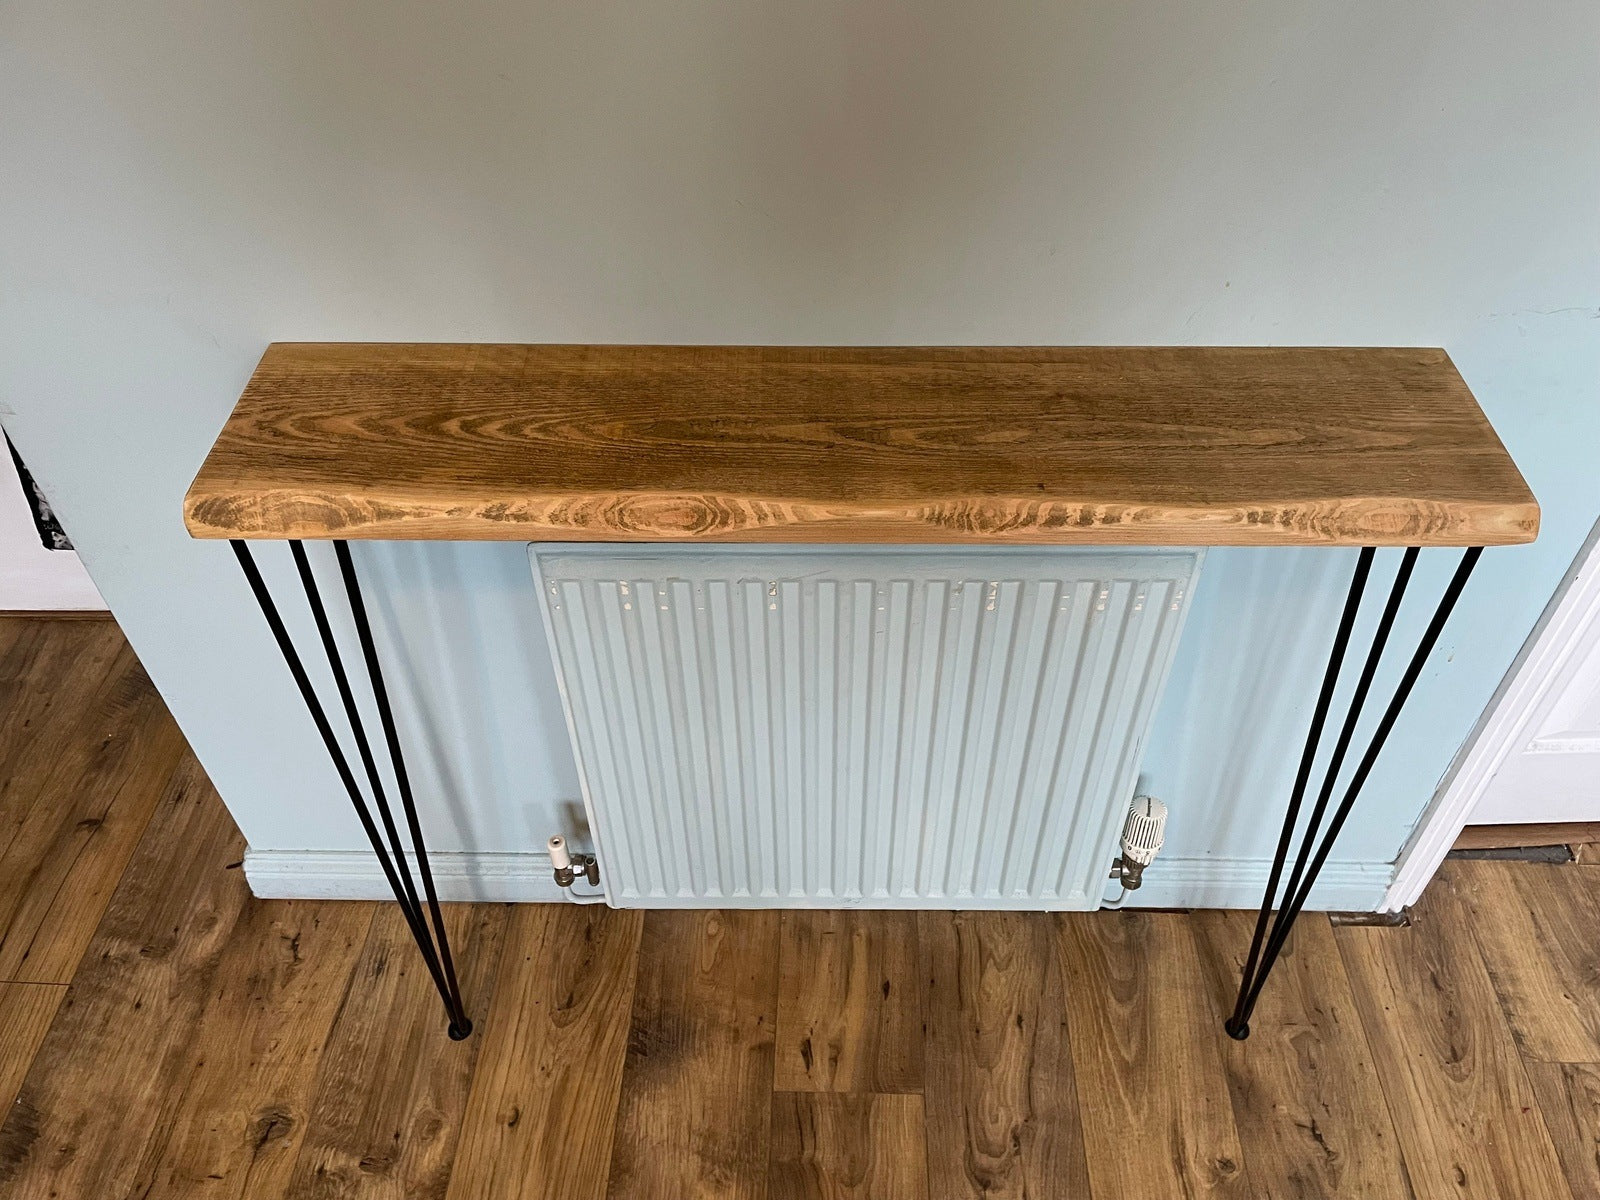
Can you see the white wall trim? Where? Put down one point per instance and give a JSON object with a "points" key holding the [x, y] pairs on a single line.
{"points": [[356, 875], [1556, 637], [1356, 886], [525, 878]]}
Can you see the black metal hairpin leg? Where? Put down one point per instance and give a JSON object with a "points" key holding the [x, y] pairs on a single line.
{"points": [[433, 943], [1267, 944]]}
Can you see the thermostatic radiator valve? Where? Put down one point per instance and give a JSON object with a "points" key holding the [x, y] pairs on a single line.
{"points": [[1142, 835]]}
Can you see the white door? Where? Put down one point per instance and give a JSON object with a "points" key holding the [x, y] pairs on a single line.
{"points": [[1552, 771]]}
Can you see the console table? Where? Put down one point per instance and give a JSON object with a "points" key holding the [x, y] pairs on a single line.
{"points": [[1043, 446]]}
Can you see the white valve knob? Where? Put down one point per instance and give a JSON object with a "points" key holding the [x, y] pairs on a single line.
{"points": [[559, 858]]}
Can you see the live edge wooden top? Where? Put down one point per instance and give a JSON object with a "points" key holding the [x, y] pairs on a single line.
{"points": [[1219, 446]]}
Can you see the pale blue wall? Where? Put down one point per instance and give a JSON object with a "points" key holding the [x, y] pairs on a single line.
{"points": [[1236, 710], [185, 182]]}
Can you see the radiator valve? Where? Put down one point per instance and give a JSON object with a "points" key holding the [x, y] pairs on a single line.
{"points": [[1142, 835], [568, 866]]}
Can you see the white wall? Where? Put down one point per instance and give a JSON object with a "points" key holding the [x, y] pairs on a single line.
{"points": [[32, 577], [184, 182]]}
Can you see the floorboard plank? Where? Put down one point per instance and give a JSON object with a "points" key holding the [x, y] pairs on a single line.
{"points": [[540, 1119], [1147, 1046], [216, 1047], [847, 1147], [1311, 1114], [26, 1010], [696, 1097], [92, 802], [1538, 927], [1550, 833], [12, 626], [96, 1104], [251, 1065], [1000, 1099], [849, 1011], [1569, 1098], [393, 1086], [1463, 1109], [48, 676]]}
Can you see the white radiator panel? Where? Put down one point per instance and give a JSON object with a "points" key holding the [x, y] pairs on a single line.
{"points": [[877, 726]]}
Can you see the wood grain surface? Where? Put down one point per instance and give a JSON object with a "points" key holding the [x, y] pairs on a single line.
{"points": [[1000, 1096], [1464, 1111], [1311, 1116], [47, 681], [1197, 445], [834, 1146], [544, 1103], [1140, 998], [1534, 833], [1548, 997], [233, 1131], [392, 1088], [26, 1010], [696, 1104], [849, 1017], [211, 1045], [92, 799], [97, 1106], [1569, 1098]]}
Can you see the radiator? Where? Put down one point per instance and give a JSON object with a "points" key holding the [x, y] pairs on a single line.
{"points": [[874, 726]]}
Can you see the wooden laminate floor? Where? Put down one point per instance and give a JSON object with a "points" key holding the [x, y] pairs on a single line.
{"points": [[163, 1034]]}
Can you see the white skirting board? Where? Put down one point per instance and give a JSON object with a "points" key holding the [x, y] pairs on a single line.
{"points": [[356, 875], [1238, 883], [525, 878]]}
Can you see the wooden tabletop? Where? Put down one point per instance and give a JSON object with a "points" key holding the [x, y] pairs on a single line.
{"points": [[1160, 446]]}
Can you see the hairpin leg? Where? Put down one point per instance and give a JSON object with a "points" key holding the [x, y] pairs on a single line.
{"points": [[1267, 944], [433, 943]]}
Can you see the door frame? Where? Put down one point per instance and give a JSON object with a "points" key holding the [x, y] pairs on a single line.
{"points": [[1569, 623]]}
